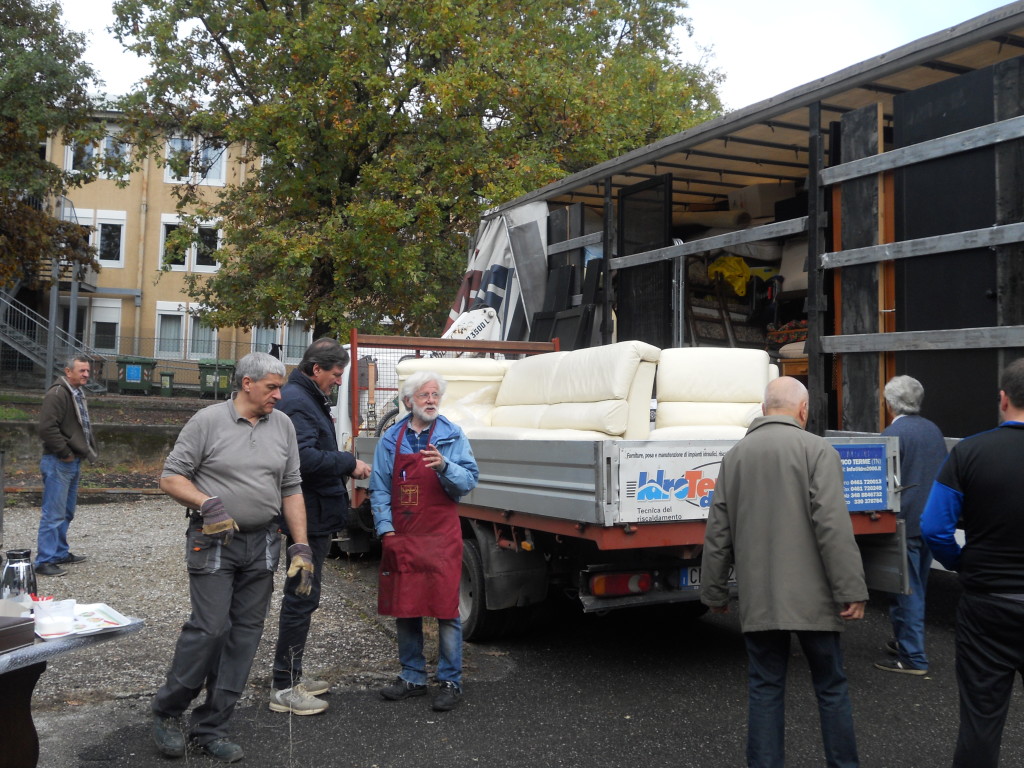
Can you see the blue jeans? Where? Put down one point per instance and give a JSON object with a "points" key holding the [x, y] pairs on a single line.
{"points": [[410, 651], [60, 494], [907, 611], [768, 655]]}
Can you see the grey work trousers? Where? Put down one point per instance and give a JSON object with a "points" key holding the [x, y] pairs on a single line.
{"points": [[230, 588]]}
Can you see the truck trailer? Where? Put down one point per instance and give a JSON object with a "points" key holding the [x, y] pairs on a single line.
{"points": [[861, 226]]}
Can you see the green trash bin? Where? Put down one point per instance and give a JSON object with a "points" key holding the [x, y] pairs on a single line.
{"points": [[215, 377], [135, 374], [167, 383]]}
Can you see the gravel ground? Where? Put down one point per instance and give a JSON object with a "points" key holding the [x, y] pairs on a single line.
{"points": [[136, 565]]}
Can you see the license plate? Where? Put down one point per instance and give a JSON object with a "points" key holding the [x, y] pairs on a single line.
{"points": [[689, 578]]}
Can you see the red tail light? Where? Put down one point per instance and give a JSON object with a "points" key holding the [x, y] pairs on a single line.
{"points": [[619, 584]]}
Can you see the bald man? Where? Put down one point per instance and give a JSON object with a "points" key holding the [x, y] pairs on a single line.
{"points": [[779, 517]]}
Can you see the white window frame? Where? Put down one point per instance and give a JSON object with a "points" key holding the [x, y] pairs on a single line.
{"points": [[215, 176], [98, 150], [171, 219], [193, 324], [170, 309], [307, 339], [104, 311], [193, 252], [281, 335], [110, 218]]}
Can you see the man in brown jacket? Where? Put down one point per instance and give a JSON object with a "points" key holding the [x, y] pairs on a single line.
{"points": [[67, 436], [779, 517]]}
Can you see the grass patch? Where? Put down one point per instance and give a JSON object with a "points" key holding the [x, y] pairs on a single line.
{"points": [[10, 413]]}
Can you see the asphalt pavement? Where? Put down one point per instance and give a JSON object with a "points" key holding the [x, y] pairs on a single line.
{"points": [[638, 689]]}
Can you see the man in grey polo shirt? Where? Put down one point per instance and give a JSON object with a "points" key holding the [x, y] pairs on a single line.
{"points": [[234, 467]]}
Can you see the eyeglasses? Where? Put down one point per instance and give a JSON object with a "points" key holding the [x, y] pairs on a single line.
{"points": [[424, 396]]}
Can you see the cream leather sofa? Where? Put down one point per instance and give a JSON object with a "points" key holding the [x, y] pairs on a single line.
{"points": [[709, 393], [586, 394]]}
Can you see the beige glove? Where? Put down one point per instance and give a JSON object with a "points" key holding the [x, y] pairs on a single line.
{"points": [[217, 523], [300, 558]]}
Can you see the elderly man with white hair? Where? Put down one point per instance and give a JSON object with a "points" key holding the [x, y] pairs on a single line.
{"points": [[922, 451], [422, 466]]}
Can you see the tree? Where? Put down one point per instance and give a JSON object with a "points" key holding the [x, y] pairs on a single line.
{"points": [[378, 130], [44, 88]]}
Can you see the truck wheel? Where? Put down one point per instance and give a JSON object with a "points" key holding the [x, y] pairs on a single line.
{"points": [[387, 420], [478, 623]]}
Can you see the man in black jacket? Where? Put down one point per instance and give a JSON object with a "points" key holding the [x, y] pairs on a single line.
{"points": [[324, 470]]}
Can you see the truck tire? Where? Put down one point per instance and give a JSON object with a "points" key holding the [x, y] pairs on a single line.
{"points": [[387, 420], [478, 623]]}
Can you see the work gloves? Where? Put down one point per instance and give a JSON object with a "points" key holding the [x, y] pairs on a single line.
{"points": [[301, 562], [217, 523]]}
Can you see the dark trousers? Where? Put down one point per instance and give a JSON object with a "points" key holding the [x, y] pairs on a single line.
{"points": [[989, 654], [230, 589], [768, 657], [296, 614]]}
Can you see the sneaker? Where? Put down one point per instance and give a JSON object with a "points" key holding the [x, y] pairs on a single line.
{"points": [[296, 700], [168, 736], [892, 647], [72, 558], [224, 750], [316, 687], [895, 665], [402, 689], [448, 697], [50, 569]]}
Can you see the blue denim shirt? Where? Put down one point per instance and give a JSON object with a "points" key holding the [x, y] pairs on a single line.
{"points": [[459, 476]]}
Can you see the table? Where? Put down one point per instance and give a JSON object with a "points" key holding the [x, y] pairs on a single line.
{"points": [[19, 671]]}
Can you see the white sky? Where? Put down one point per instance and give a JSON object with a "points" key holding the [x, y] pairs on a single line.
{"points": [[764, 47]]}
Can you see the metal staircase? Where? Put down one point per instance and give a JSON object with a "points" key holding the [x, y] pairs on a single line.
{"points": [[28, 332]]}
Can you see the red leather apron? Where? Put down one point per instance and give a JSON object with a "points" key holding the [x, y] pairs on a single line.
{"points": [[421, 564]]}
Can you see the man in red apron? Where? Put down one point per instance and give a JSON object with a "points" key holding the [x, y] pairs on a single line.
{"points": [[422, 466]]}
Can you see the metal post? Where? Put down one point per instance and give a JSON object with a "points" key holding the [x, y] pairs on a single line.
{"points": [[607, 239]]}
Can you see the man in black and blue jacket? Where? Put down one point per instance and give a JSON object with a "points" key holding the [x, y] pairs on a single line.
{"points": [[325, 471], [979, 490]]}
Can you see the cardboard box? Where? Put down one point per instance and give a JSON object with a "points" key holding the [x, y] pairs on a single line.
{"points": [[16, 632], [759, 199]]}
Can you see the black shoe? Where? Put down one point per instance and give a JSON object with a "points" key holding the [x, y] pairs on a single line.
{"points": [[892, 647], [895, 665], [72, 558], [168, 736], [402, 689], [50, 569], [224, 750], [448, 697]]}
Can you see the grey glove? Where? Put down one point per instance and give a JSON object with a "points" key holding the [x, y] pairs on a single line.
{"points": [[301, 562], [217, 523]]}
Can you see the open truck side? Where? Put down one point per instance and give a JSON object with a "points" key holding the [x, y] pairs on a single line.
{"points": [[612, 522]]}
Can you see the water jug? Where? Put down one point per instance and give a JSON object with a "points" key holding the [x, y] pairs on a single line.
{"points": [[18, 579]]}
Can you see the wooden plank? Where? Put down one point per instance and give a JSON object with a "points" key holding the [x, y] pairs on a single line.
{"points": [[958, 241], [954, 143], [751, 235], [1006, 336], [577, 242], [859, 302]]}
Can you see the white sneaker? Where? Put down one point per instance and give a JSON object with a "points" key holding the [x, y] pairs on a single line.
{"points": [[315, 687], [296, 700]]}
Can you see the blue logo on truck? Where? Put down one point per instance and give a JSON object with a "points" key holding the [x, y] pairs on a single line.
{"points": [[694, 486]]}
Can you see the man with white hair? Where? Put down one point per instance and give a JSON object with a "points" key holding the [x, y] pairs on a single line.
{"points": [[422, 466], [779, 516], [922, 451]]}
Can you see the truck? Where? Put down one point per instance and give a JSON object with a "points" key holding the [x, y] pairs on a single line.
{"points": [[613, 521], [861, 226]]}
